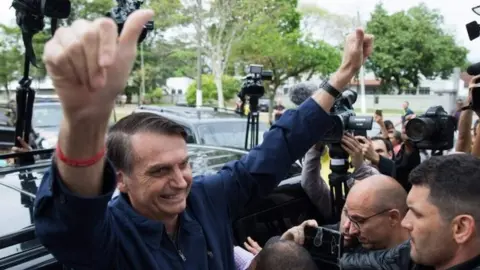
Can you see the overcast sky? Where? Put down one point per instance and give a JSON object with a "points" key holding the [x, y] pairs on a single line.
{"points": [[456, 13]]}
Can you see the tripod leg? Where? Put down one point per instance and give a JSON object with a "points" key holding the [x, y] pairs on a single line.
{"points": [[247, 131], [257, 128]]}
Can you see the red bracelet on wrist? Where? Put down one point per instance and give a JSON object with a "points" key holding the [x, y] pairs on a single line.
{"points": [[79, 162]]}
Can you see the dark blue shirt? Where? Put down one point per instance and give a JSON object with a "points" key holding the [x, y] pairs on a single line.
{"points": [[407, 112], [105, 233]]}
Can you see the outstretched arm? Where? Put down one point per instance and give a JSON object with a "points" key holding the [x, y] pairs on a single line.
{"points": [[259, 172]]}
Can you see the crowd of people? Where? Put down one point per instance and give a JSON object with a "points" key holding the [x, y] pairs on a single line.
{"points": [[402, 211]]}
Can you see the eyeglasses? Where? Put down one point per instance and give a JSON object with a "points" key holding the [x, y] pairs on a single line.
{"points": [[357, 223]]}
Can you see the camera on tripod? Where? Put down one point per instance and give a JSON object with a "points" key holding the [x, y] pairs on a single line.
{"points": [[345, 119], [433, 130], [252, 84]]}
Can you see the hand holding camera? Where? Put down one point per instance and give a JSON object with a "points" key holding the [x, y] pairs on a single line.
{"points": [[90, 64]]}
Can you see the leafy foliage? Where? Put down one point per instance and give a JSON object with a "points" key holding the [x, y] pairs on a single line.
{"points": [[409, 44], [231, 86], [286, 53]]}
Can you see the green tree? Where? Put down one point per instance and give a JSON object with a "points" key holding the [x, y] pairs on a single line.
{"points": [[410, 44], [209, 90], [286, 51]]}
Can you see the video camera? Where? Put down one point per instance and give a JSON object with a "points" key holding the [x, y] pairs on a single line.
{"points": [[120, 13], [433, 130], [252, 85], [345, 119], [473, 28]]}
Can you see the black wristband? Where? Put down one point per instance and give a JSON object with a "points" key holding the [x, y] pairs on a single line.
{"points": [[330, 89]]}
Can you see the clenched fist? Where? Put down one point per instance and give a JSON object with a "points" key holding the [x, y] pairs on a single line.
{"points": [[89, 64], [358, 47]]}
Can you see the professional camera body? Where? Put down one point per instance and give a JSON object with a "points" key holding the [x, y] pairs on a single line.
{"points": [[252, 85], [433, 130], [345, 119], [124, 8]]}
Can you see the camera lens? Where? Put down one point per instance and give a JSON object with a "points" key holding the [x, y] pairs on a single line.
{"points": [[419, 129]]}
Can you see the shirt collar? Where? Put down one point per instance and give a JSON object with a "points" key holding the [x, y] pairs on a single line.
{"points": [[152, 231], [468, 265]]}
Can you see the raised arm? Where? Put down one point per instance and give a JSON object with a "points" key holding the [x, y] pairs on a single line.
{"points": [[89, 66], [312, 182], [259, 172]]}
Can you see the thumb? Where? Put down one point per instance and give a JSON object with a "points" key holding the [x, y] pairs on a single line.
{"points": [[360, 37], [134, 26]]}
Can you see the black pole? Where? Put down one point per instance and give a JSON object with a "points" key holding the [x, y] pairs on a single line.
{"points": [[248, 130], [339, 166]]}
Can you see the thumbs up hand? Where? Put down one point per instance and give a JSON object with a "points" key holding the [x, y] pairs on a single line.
{"points": [[89, 64], [358, 47]]}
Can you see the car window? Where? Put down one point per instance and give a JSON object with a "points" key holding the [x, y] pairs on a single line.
{"points": [[45, 116], [190, 136], [16, 208], [227, 134]]}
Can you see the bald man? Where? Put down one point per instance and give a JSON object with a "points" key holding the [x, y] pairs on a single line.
{"points": [[374, 209]]}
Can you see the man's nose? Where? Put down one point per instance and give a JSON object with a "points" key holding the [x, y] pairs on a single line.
{"points": [[178, 179], [352, 229]]}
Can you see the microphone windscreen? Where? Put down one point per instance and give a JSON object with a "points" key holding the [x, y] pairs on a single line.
{"points": [[474, 69], [302, 91]]}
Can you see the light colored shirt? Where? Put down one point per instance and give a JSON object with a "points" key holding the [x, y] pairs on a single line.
{"points": [[242, 258]]}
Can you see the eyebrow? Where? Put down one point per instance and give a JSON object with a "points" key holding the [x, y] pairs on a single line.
{"points": [[413, 209], [160, 166]]}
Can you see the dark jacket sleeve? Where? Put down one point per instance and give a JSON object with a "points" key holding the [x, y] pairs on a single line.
{"points": [[386, 166], [76, 230], [265, 166], [397, 258], [314, 185], [405, 163]]}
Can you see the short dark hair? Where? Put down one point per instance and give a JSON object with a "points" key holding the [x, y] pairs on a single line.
{"points": [[397, 135], [284, 254], [387, 143], [388, 124], [119, 147], [453, 184]]}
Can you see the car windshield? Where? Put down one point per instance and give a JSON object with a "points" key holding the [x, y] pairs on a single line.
{"points": [[227, 134], [47, 115]]}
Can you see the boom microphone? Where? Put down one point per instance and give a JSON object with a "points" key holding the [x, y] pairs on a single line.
{"points": [[474, 69], [302, 91]]}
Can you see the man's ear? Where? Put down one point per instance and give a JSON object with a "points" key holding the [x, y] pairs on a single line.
{"points": [[390, 154], [463, 228], [122, 182], [395, 217]]}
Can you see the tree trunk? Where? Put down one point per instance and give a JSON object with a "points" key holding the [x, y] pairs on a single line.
{"points": [[219, 85]]}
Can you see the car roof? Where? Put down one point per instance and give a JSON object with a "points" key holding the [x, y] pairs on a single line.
{"points": [[193, 115]]}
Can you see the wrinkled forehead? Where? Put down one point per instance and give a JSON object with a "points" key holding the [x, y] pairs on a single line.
{"points": [[154, 148]]}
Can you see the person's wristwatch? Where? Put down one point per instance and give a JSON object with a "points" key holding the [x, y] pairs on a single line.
{"points": [[327, 87]]}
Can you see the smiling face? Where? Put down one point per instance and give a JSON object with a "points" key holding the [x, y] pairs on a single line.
{"points": [[160, 181]]}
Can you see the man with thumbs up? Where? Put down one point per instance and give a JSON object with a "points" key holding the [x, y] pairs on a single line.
{"points": [[162, 219]]}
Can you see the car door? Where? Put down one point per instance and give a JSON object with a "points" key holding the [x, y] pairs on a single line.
{"points": [[287, 206]]}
